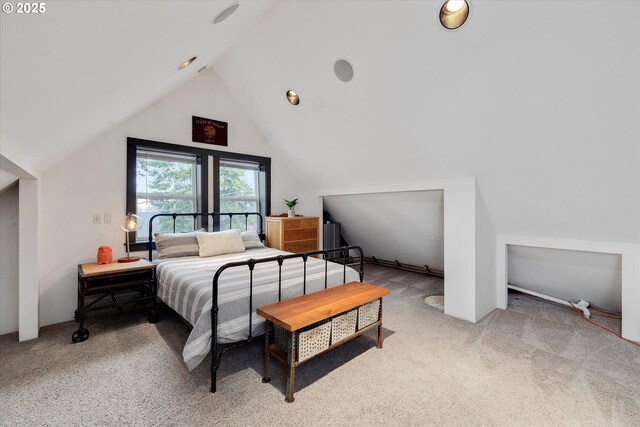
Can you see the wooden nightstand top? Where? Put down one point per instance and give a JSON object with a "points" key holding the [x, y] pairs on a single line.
{"points": [[94, 269]]}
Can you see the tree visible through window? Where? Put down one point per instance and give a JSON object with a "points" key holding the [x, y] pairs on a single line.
{"points": [[240, 186], [170, 178], [165, 183]]}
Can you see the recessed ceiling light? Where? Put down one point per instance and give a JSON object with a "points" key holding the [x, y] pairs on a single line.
{"points": [[293, 97], [186, 63], [226, 12], [454, 13], [343, 70]]}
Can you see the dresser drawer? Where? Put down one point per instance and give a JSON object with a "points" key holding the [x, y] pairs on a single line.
{"points": [[291, 223], [309, 223], [300, 223], [300, 234], [303, 246]]}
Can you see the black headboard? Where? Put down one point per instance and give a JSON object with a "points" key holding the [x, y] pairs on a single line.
{"points": [[214, 215]]}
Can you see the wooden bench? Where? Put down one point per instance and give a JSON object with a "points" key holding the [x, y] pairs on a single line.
{"points": [[296, 315]]}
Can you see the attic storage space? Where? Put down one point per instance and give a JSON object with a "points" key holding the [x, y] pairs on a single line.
{"points": [[394, 229], [567, 277]]}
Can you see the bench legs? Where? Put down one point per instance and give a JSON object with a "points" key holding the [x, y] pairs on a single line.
{"points": [[380, 339], [291, 376], [291, 353]]}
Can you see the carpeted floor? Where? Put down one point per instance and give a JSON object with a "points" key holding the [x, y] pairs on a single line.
{"points": [[534, 364]]}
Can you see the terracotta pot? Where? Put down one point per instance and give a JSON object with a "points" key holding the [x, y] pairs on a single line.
{"points": [[105, 255]]}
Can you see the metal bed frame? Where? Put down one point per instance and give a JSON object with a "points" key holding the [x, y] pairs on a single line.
{"points": [[218, 350]]}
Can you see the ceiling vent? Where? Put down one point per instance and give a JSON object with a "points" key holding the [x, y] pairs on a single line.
{"points": [[343, 70], [226, 12]]}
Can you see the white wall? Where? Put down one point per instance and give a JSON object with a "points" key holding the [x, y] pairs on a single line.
{"points": [[93, 180], [546, 120], [9, 260], [407, 226], [28, 259], [485, 259], [569, 275], [541, 109], [630, 271], [461, 232]]}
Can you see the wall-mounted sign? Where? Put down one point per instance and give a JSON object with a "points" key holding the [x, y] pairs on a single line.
{"points": [[209, 131]]}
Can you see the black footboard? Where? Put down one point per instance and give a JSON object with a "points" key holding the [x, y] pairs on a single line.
{"points": [[201, 220], [216, 351]]}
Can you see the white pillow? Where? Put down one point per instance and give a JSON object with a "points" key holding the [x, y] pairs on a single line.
{"points": [[220, 242], [251, 240]]}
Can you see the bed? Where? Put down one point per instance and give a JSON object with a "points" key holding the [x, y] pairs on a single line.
{"points": [[218, 295]]}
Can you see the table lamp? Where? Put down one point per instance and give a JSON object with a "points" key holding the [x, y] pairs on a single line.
{"points": [[130, 225]]}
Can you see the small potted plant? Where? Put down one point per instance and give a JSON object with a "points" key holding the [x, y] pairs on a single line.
{"points": [[291, 204]]}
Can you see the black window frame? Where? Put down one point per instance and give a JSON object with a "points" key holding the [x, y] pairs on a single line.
{"points": [[133, 144]]}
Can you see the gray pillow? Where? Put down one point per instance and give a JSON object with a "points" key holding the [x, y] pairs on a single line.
{"points": [[177, 245], [250, 240]]}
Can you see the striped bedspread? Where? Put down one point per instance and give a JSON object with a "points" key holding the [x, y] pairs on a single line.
{"points": [[185, 285]]}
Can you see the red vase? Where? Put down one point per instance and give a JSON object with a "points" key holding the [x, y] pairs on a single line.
{"points": [[105, 255]]}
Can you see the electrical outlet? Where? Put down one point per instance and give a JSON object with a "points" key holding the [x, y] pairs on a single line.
{"points": [[97, 218], [107, 218]]}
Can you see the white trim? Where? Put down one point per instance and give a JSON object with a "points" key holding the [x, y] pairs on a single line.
{"points": [[28, 266]]}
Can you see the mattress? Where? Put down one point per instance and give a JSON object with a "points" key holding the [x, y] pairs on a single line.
{"points": [[185, 285]]}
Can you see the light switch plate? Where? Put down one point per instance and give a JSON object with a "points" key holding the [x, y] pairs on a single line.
{"points": [[97, 218], [107, 218]]}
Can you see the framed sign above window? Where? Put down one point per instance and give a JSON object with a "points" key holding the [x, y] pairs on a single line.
{"points": [[208, 131]]}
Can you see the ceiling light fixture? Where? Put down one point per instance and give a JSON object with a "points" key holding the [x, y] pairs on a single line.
{"points": [[226, 12], [186, 63], [454, 13], [293, 97]]}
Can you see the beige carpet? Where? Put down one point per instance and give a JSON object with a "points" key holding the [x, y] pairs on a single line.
{"points": [[533, 364]]}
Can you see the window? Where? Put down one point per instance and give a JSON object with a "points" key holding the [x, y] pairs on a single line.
{"points": [[240, 185], [170, 178], [165, 182]]}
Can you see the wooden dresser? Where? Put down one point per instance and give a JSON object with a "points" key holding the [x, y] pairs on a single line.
{"points": [[296, 234]]}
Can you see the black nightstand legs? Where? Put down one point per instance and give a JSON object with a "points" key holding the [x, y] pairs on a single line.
{"points": [[114, 288]]}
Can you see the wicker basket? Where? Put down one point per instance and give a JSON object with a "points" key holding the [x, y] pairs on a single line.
{"points": [[368, 313], [311, 340], [343, 326]]}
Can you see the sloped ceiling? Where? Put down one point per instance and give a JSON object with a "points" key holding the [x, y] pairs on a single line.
{"points": [[70, 73], [404, 226], [539, 100], [6, 179]]}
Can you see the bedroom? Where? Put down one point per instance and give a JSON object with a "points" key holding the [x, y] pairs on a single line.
{"points": [[525, 119]]}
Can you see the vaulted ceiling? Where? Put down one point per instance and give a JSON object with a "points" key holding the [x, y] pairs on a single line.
{"points": [[538, 100], [70, 73]]}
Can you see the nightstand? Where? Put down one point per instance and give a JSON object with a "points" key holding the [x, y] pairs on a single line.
{"points": [[115, 287]]}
